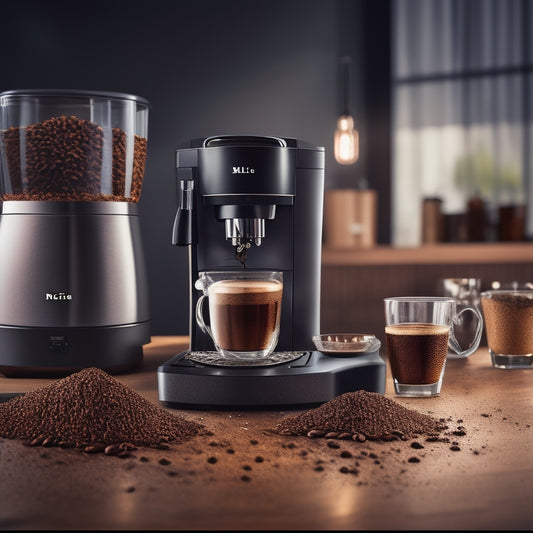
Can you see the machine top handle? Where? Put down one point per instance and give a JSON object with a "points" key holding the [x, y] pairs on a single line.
{"points": [[244, 140]]}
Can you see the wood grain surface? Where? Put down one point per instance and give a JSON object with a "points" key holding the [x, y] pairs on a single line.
{"points": [[244, 478]]}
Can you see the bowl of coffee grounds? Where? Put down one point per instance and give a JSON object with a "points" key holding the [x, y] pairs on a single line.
{"points": [[346, 344], [93, 411], [361, 415]]}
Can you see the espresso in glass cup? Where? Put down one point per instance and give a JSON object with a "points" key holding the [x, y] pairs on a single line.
{"points": [[244, 311], [418, 331]]}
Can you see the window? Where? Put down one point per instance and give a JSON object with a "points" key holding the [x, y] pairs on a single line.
{"points": [[462, 106]]}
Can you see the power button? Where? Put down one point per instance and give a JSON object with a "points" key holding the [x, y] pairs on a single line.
{"points": [[58, 344]]}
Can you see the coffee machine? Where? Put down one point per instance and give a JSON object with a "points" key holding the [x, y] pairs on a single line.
{"points": [[73, 279], [256, 202]]}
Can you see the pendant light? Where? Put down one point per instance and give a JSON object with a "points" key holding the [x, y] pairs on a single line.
{"points": [[346, 142]]}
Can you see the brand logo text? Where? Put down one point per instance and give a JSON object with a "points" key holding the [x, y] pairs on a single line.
{"points": [[57, 296], [243, 170]]}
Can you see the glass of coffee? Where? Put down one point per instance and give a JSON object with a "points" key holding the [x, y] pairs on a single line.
{"points": [[418, 332], [244, 311], [509, 326]]}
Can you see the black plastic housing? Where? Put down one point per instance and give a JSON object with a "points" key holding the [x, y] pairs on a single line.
{"points": [[250, 174]]}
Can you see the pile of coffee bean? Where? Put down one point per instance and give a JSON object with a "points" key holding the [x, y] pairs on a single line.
{"points": [[93, 411], [63, 158], [361, 415]]}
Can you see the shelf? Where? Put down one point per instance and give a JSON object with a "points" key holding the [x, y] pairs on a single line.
{"points": [[470, 253]]}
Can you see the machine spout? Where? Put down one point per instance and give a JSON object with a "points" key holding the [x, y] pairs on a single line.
{"points": [[245, 231]]}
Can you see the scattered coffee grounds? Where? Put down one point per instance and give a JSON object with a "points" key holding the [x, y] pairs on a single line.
{"points": [[67, 159], [361, 413], [91, 410]]}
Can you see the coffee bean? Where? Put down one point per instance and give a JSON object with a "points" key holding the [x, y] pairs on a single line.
{"points": [[345, 436], [94, 448], [316, 433], [113, 449], [332, 435]]}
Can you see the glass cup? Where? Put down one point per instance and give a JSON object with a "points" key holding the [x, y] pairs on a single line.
{"points": [[466, 292], [418, 331], [244, 311], [509, 326]]}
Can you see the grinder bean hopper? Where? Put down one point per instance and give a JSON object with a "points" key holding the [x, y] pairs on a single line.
{"points": [[73, 287], [257, 201]]}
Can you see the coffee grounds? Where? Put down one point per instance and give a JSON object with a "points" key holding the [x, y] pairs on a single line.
{"points": [[64, 159], [362, 415], [94, 411]]}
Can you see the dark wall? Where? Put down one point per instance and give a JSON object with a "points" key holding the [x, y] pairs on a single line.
{"points": [[207, 67]]}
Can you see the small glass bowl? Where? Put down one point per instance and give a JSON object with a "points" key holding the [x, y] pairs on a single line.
{"points": [[346, 344]]}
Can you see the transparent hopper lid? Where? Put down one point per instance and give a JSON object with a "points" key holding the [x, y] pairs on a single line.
{"points": [[67, 145]]}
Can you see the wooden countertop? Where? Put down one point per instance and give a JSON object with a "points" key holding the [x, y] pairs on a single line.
{"points": [[293, 482]]}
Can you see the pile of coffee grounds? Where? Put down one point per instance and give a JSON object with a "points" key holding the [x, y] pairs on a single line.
{"points": [[66, 159], [360, 415], [91, 410]]}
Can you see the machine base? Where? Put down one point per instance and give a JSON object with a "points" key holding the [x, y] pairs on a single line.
{"points": [[54, 352], [311, 379]]}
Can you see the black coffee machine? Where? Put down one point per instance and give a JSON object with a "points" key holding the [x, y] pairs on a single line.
{"points": [[73, 280], [256, 202]]}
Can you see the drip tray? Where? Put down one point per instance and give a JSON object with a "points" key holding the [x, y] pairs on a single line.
{"points": [[215, 359], [287, 379]]}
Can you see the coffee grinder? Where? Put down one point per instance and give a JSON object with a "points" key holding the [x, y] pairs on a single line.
{"points": [[73, 280], [256, 202]]}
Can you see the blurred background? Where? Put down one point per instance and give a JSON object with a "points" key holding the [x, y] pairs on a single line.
{"points": [[440, 92]]}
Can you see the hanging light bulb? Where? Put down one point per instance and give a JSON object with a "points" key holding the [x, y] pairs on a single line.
{"points": [[346, 141]]}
